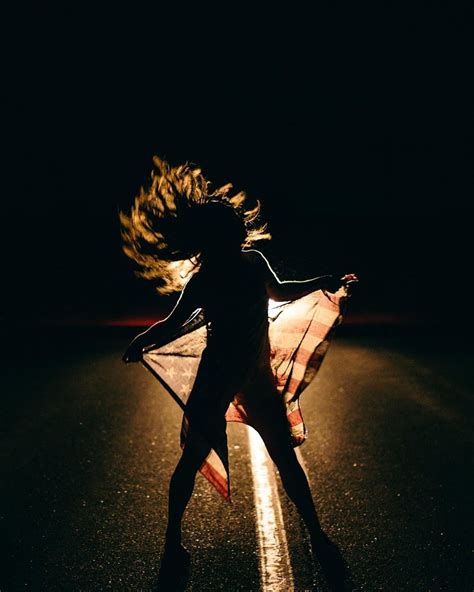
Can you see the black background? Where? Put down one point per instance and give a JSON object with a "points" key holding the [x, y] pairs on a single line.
{"points": [[351, 123]]}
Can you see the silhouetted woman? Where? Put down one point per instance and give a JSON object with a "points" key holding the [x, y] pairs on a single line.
{"points": [[189, 239]]}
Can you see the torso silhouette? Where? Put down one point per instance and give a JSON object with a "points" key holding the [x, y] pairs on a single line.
{"points": [[233, 295]]}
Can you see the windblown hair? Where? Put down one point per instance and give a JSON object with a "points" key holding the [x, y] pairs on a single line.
{"points": [[177, 221]]}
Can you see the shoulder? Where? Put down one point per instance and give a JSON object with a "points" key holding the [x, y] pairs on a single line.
{"points": [[258, 260], [193, 286], [254, 257]]}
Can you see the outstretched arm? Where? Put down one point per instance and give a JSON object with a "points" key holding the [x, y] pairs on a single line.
{"points": [[186, 305], [281, 291]]}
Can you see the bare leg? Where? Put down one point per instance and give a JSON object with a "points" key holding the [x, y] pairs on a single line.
{"points": [[267, 413], [181, 487], [174, 570], [295, 482], [297, 487]]}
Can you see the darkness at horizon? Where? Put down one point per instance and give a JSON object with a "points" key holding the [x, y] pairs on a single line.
{"points": [[353, 128]]}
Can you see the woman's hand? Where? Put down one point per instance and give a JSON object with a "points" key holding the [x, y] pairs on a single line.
{"points": [[349, 278], [134, 352]]}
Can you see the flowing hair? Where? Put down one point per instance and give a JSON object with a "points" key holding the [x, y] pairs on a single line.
{"points": [[177, 219]]}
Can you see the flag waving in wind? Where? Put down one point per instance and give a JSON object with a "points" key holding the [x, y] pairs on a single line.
{"points": [[299, 333]]}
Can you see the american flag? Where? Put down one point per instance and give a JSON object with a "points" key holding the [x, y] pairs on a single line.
{"points": [[299, 333]]}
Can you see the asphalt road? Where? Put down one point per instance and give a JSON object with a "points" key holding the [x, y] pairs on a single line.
{"points": [[88, 445]]}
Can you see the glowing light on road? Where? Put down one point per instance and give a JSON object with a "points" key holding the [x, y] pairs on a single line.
{"points": [[275, 567]]}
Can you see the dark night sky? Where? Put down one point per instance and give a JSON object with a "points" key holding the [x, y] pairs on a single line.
{"points": [[352, 125]]}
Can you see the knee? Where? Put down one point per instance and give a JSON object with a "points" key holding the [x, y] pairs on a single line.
{"points": [[194, 454], [282, 456]]}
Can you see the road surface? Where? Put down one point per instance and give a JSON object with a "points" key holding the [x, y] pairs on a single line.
{"points": [[88, 445]]}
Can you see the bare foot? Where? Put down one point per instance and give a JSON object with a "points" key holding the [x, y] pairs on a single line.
{"points": [[174, 569]]}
